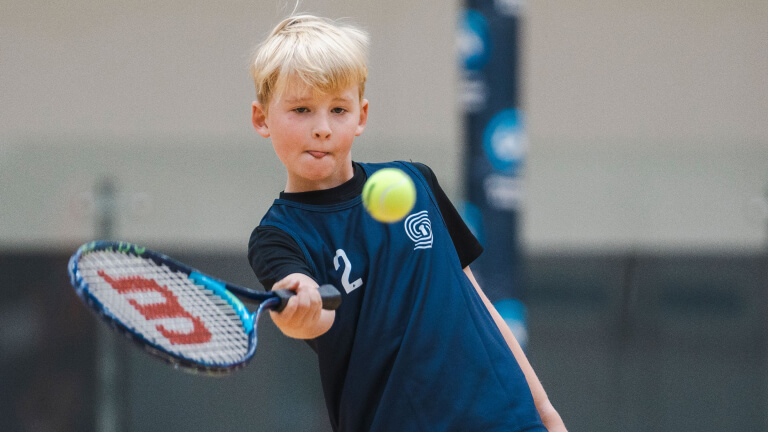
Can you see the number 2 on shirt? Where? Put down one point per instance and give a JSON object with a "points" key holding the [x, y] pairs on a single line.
{"points": [[348, 287]]}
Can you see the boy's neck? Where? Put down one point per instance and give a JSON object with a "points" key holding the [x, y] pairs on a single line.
{"points": [[342, 193], [299, 185]]}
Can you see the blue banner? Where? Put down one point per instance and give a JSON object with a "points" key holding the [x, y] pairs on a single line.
{"points": [[495, 148]]}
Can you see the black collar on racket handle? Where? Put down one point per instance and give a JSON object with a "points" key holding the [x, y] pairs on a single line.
{"points": [[330, 295]]}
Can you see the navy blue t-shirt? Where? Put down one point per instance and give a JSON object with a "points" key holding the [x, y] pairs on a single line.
{"points": [[273, 254], [413, 347]]}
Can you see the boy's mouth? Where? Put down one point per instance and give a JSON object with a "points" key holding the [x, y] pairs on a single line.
{"points": [[317, 154]]}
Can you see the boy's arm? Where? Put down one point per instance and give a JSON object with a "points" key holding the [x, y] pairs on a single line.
{"points": [[303, 316], [547, 412]]}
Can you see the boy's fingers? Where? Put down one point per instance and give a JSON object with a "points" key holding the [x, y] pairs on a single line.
{"points": [[305, 306], [292, 285], [288, 312], [311, 304], [302, 310]]}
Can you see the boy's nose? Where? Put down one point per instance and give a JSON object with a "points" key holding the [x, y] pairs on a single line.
{"points": [[322, 129], [322, 132]]}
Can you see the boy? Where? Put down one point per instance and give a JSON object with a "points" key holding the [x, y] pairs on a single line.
{"points": [[415, 345]]}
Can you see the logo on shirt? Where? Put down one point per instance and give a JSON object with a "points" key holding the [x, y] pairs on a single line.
{"points": [[419, 229]]}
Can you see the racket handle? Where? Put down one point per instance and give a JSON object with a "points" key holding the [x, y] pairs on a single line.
{"points": [[330, 295]]}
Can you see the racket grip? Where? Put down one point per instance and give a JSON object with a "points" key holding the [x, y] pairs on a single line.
{"points": [[330, 295]]}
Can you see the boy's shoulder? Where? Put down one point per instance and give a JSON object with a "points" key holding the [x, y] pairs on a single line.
{"points": [[423, 168]]}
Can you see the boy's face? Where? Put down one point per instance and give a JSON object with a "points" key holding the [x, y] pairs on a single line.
{"points": [[312, 133]]}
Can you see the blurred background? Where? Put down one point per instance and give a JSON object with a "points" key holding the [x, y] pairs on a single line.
{"points": [[643, 222]]}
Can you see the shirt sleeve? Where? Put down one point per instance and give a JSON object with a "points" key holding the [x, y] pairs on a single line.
{"points": [[466, 244], [274, 254]]}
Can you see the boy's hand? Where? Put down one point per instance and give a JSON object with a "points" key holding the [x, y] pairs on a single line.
{"points": [[303, 316]]}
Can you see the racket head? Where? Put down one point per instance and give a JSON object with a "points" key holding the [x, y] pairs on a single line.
{"points": [[173, 312]]}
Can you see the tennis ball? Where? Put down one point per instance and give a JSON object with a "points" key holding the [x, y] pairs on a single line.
{"points": [[388, 195]]}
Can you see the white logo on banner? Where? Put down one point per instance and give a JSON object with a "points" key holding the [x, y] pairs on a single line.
{"points": [[505, 142], [419, 229], [509, 7], [502, 192]]}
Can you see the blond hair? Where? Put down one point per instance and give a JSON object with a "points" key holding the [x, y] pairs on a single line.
{"points": [[324, 54]]}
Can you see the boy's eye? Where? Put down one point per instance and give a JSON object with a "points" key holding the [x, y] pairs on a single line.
{"points": [[301, 110], [338, 110]]}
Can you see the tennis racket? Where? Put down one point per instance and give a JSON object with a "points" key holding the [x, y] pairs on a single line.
{"points": [[174, 312]]}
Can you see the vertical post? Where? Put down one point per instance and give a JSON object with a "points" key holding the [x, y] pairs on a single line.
{"points": [[495, 147], [765, 217], [112, 413]]}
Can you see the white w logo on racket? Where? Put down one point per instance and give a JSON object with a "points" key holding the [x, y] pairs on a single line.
{"points": [[419, 229]]}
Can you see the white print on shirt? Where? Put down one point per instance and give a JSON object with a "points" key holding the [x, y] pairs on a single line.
{"points": [[348, 287], [419, 229]]}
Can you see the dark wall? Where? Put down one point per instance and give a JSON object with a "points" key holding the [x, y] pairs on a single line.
{"points": [[47, 349], [663, 343]]}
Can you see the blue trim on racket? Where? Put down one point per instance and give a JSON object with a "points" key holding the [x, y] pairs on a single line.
{"points": [[172, 311]]}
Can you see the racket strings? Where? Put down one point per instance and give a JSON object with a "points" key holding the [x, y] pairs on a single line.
{"points": [[165, 307]]}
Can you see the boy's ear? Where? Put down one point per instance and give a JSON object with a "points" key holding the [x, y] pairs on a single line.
{"points": [[363, 117], [259, 119]]}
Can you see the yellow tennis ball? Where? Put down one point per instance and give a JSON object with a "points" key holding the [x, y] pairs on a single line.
{"points": [[388, 195]]}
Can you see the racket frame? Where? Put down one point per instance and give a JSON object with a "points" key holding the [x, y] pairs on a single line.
{"points": [[222, 289]]}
